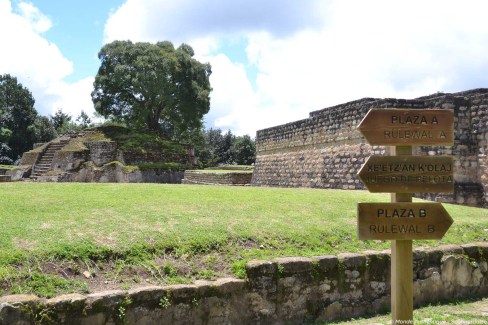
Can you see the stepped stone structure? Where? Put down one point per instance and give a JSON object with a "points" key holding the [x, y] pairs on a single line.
{"points": [[44, 164], [77, 158], [326, 151]]}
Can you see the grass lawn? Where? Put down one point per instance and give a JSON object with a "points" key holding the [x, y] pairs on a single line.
{"points": [[76, 237], [459, 312]]}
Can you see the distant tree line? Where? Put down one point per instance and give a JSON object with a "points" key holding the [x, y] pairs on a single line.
{"points": [[20, 124], [153, 88], [225, 148]]}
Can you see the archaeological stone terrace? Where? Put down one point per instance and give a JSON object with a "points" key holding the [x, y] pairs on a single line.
{"points": [[326, 150]]}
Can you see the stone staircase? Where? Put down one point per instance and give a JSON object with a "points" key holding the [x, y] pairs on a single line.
{"points": [[43, 165]]}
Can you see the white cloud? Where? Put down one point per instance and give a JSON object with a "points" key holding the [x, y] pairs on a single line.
{"points": [[312, 54], [180, 21], [76, 97], [37, 63], [39, 22]]}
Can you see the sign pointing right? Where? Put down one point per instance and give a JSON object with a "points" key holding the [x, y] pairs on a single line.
{"points": [[402, 221]]}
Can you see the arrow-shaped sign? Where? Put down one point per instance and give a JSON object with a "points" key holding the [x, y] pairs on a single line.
{"points": [[408, 174], [402, 221], [396, 127]]}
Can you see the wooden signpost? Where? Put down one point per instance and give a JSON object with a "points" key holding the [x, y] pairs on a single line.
{"points": [[400, 127], [408, 174], [388, 221], [403, 174]]}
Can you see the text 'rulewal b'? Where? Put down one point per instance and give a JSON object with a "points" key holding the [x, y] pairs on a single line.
{"points": [[406, 221]]}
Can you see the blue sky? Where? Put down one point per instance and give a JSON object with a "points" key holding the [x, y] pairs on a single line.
{"points": [[273, 61], [77, 29]]}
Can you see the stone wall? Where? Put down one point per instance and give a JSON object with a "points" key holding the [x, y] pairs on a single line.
{"points": [[219, 178], [102, 152], [284, 291], [326, 151], [116, 172]]}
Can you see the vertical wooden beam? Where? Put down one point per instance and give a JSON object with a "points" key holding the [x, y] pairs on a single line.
{"points": [[401, 261]]}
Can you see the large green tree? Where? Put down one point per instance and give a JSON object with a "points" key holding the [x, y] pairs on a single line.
{"points": [[152, 86], [17, 115]]}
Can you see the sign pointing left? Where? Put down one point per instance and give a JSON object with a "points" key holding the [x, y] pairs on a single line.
{"points": [[408, 127]]}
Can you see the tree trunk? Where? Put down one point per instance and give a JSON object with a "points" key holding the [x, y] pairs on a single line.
{"points": [[153, 119]]}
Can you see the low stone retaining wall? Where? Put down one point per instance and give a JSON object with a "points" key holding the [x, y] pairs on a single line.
{"points": [[284, 291], [219, 178], [5, 178]]}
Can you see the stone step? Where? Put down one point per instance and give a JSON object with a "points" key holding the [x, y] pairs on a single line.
{"points": [[45, 161]]}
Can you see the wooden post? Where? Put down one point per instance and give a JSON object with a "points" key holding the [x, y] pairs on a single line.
{"points": [[400, 129], [401, 261]]}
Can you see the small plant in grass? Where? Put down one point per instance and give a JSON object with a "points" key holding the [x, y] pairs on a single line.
{"points": [[46, 285], [239, 269], [73, 267], [206, 274], [41, 314], [281, 270], [164, 302], [169, 270], [126, 301]]}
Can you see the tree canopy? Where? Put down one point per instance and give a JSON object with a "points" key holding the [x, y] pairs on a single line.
{"points": [[20, 124], [17, 115], [152, 86], [225, 148]]}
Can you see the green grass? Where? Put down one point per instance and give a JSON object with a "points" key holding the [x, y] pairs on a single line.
{"points": [[457, 312], [178, 233], [7, 166]]}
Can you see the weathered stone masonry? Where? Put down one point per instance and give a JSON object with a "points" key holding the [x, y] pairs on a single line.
{"points": [[326, 151], [293, 290]]}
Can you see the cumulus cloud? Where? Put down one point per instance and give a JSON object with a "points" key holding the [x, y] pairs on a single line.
{"points": [[357, 49], [181, 20], [37, 63], [312, 54], [37, 20], [273, 61]]}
